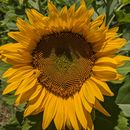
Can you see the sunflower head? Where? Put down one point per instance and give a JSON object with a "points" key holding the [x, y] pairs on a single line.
{"points": [[60, 64], [65, 61]]}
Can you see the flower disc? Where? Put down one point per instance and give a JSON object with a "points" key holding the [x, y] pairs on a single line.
{"points": [[65, 61]]}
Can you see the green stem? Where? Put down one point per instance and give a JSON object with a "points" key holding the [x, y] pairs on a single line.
{"points": [[105, 2], [121, 6], [39, 5]]}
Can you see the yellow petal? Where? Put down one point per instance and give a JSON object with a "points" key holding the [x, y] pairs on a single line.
{"points": [[31, 108], [106, 61], [24, 96], [53, 12], [11, 87], [20, 75], [85, 103], [50, 110], [110, 47], [65, 114], [59, 117], [81, 10], [97, 22], [89, 120], [104, 73], [24, 26], [119, 77], [15, 69], [87, 94], [69, 125], [120, 59], [28, 42], [95, 90], [29, 30], [100, 108], [42, 106], [71, 10], [79, 111], [113, 30], [112, 33], [23, 56], [94, 36], [103, 87], [9, 72], [34, 16], [26, 85], [82, 2], [63, 13], [90, 12], [70, 107], [36, 92], [11, 48]]}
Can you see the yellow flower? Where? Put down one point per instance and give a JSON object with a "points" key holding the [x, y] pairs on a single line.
{"points": [[60, 64]]}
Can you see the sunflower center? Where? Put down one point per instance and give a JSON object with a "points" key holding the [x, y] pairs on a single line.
{"points": [[65, 61]]}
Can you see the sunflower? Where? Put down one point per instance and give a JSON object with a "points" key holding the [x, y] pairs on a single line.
{"points": [[60, 65]]}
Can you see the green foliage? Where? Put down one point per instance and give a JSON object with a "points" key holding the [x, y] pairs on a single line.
{"points": [[117, 14], [122, 16], [125, 68], [123, 97], [125, 2], [122, 123], [124, 93]]}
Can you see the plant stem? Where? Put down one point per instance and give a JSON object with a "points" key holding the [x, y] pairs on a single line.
{"points": [[105, 2], [121, 6]]}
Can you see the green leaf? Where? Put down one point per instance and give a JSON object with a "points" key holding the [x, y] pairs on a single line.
{"points": [[15, 122], [6, 113], [125, 68], [122, 123], [1, 128], [125, 108], [19, 117], [126, 47], [123, 97], [20, 2], [9, 99], [88, 2], [11, 25], [122, 16], [26, 125], [102, 122], [36, 121], [12, 127], [3, 67], [113, 6], [34, 4], [125, 1]]}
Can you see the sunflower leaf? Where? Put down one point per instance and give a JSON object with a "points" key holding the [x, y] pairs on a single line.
{"points": [[26, 125], [9, 99], [125, 1], [125, 68], [126, 47], [125, 108], [122, 123], [35, 122], [123, 97], [124, 93], [122, 16]]}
